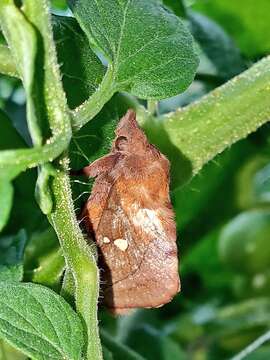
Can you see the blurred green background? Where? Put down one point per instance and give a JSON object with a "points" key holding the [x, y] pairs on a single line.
{"points": [[223, 214]]}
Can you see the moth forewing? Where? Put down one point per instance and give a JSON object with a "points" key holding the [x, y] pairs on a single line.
{"points": [[130, 216]]}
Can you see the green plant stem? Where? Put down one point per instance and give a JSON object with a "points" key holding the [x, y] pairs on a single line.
{"points": [[91, 107], [7, 65], [252, 347], [197, 133], [13, 162], [80, 259], [38, 13], [23, 45], [79, 256]]}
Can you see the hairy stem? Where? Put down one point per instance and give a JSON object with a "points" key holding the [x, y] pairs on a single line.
{"points": [[80, 259], [13, 162], [79, 256], [197, 133], [91, 107], [23, 44]]}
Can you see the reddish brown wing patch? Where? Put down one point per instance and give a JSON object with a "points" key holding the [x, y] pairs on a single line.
{"points": [[130, 215]]}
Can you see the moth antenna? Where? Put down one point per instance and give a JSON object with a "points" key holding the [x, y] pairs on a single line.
{"points": [[79, 182], [82, 220], [83, 193], [81, 151]]}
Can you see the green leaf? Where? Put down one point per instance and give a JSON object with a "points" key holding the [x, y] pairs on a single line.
{"points": [[149, 49], [239, 19], [39, 322], [72, 46], [11, 256], [40, 243], [50, 270], [216, 45], [43, 260]]}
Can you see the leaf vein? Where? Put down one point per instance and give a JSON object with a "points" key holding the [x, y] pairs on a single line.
{"points": [[145, 45], [32, 334], [139, 74], [122, 32], [27, 331]]}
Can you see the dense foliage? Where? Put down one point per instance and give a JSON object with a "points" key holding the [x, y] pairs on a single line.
{"points": [[198, 76]]}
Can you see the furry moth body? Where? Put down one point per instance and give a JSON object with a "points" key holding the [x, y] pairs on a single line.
{"points": [[130, 216]]}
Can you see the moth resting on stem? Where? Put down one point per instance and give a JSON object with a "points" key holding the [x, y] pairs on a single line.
{"points": [[130, 216]]}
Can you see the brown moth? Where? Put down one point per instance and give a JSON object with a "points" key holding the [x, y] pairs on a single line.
{"points": [[129, 213]]}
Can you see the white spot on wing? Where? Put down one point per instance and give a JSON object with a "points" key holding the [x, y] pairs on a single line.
{"points": [[148, 220], [106, 240], [122, 244]]}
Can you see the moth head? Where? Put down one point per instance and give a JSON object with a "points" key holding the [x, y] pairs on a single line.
{"points": [[129, 136]]}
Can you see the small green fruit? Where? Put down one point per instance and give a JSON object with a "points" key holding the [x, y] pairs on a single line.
{"points": [[244, 243]]}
